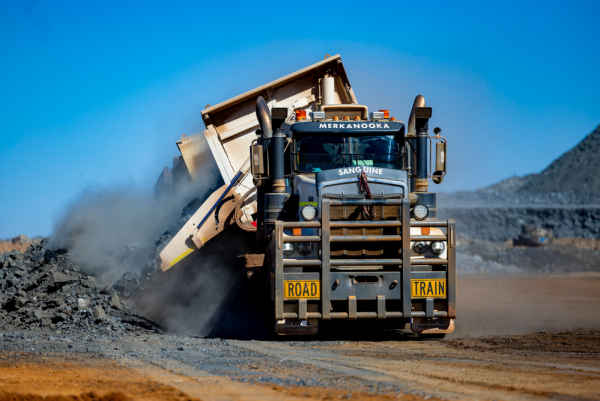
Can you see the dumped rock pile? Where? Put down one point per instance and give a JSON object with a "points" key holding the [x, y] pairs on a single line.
{"points": [[42, 288]]}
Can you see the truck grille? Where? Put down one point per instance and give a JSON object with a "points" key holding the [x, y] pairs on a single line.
{"points": [[378, 212], [391, 249], [361, 248]]}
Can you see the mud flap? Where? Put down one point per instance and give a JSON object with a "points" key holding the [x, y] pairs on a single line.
{"points": [[428, 326]]}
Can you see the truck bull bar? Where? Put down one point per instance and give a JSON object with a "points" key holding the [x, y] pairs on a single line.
{"points": [[404, 263]]}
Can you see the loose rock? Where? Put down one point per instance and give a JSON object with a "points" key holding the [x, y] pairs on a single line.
{"points": [[99, 313], [43, 288], [115, 302]]}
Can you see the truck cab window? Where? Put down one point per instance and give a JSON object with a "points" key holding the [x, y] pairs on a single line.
{"points": [[320, 152]]}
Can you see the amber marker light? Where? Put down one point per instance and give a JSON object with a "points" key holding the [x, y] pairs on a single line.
{"points": [[296, 231], [356, 118], [346, 118], [425, 230], [335, 118], [300, 115], [386, 113]]}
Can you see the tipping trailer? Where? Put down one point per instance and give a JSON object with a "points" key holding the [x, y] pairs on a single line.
{"points": [[336, 199]]}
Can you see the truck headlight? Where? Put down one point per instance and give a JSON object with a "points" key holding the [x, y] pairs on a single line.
{"points": [[420, 247], [420, 212], [287, 247], [309, 212], [438, 247]]}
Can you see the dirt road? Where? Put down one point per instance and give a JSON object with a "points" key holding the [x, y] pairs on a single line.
{"points": [[539, 365], [518, 304]]}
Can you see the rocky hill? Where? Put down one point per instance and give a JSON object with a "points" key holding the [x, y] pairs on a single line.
{"points": [[574, 173], [564, 197]]}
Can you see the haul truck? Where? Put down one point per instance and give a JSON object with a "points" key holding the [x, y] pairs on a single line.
{"points": [[336, 200]]}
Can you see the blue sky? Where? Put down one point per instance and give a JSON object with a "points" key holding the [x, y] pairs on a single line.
{"points": [[95, 95]]}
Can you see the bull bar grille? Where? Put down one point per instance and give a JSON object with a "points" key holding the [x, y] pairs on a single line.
{"points": [[371, 231], [350, 248]]}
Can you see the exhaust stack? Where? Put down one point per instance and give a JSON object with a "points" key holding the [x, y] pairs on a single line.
{"points": [[263, 114], [418, 124], [275, 199], [419, 102]]}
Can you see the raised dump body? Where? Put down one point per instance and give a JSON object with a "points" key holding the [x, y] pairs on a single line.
{"points": [[231, 128]]}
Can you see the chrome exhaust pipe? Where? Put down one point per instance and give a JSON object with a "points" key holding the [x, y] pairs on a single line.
{"points": [[419, 102], [277, 197], [417, 130]]}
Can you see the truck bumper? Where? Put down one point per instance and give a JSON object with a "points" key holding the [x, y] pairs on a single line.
{"points": [[352, 288]]}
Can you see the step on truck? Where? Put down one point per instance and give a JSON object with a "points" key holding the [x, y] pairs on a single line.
{"points": [[335, 199]]}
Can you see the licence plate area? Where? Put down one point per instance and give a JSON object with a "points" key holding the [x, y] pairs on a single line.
{"points": [[364, 285], [301, 289], [428, 288]]}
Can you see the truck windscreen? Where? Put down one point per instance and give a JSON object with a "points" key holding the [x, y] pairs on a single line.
{"points": [[314, 153]]}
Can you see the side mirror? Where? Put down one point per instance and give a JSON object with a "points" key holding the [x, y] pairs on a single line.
{"points": [[440, 162], [257, 162], [440, 157]]}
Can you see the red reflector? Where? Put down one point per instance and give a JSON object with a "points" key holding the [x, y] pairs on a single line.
{"points": [[254, 223]]}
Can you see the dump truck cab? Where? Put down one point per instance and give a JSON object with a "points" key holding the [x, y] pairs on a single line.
{"points": [[347, 234]]}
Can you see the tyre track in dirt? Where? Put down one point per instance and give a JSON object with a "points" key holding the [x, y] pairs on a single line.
{"points": [[561, 366], [446, 372]]}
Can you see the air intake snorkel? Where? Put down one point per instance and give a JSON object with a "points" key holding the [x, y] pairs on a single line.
{"points": [[278, 195], [418, 125]]}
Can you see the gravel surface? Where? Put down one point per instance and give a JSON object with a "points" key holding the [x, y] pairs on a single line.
{"points": [[537, 366]]}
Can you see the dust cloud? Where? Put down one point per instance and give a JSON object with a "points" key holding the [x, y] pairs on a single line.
{"points": [[208, 294], [116, 234], [113, 231]]}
